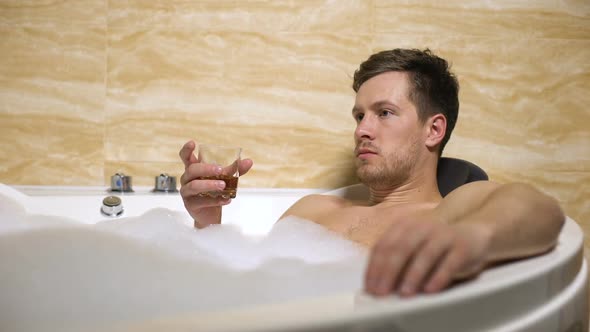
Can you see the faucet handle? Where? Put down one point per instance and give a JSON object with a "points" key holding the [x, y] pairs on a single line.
{"points": [[121, 182], [165, 183]]}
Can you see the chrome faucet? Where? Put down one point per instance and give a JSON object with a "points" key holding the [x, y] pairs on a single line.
{"points": [[165, 183], [121, 183]]}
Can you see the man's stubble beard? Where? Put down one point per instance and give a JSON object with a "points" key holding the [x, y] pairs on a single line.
{"points": [[391, 171]]}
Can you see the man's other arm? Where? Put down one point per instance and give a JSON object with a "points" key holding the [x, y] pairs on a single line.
{"points": [[522, 220], [477, 224]]}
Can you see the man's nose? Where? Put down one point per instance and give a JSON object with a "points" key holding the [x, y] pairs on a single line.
{"points": [[365, 128]]}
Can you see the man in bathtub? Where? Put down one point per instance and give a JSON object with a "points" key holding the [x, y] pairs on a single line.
{"points": [[405, 109]]}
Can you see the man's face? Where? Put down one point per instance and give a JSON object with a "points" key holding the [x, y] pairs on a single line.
{"points": [[388, 134]]}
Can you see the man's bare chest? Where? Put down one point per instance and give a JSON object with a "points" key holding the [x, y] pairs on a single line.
{"points": [[365, 225], [359, 224]]}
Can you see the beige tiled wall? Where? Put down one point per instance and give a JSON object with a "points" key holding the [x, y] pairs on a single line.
{"points": [[89, 88]]}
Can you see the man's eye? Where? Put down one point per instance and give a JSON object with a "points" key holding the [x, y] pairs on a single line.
{"points": [[359, 117], [385, 113]]}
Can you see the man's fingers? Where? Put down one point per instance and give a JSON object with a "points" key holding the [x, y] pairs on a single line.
{"points": [[415, 257], [424, 262], [244, 166], [377, 260], [451, 263], [380, 256], [188, 158], [197, 187], [466, 258], [186, 153], [390, 257], [385, 269], [199, 170]]}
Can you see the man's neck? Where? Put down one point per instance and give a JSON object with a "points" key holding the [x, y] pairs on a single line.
{"points": [[420, 189]]}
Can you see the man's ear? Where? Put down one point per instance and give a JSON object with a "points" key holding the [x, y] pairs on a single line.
{"points": [[436, 127]]}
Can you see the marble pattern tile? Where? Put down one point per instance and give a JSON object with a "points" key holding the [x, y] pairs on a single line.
{"points": [[53, 13], [251, 15], [31, 169], [525, 19], [51, 105]]}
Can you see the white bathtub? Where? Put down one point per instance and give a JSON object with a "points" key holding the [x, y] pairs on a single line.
{"points": [[544, 293]]}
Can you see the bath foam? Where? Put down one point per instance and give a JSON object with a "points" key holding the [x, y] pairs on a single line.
{"points": [[14, 218], [292, 238], [62, 276]]}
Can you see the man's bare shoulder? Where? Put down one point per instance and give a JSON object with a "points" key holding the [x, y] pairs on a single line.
{"points": [[314, 206], [458, 202], [472, 188]]}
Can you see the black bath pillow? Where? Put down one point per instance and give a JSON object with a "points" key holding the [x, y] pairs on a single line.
{"points": [[452, 173]]}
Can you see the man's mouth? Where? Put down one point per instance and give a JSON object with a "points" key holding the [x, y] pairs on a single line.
{"points": [[365, 152]]}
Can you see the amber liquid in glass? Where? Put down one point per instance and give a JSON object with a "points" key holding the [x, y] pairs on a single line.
{"points": [[231, 186]]}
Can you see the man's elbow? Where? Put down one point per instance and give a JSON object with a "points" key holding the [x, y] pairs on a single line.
{"points": [[555, 220], [549, 215]]}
